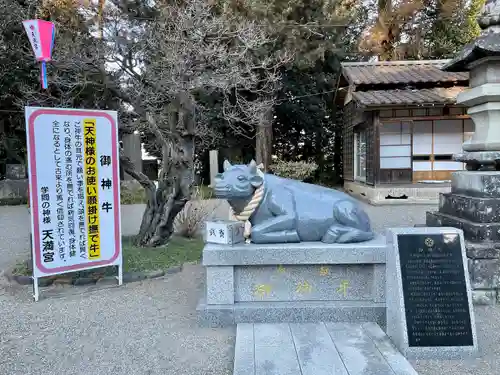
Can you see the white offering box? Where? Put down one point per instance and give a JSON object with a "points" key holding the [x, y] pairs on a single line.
{"points": [[224, 232]]}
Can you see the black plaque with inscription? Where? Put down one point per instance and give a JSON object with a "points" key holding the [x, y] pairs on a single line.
{"points": [[434, 290]]}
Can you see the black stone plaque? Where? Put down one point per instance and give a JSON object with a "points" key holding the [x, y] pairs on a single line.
{"points": [[434, 290]]}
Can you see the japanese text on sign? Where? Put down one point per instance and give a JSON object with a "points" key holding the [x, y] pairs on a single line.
{"points": [[80, 187], [70, 203], [60, 209], [92, 187]]}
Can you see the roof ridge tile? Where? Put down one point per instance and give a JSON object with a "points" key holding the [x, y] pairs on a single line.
{"points": [[437, 95], [372, 74]]}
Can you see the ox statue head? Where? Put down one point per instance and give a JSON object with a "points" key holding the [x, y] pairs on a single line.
{"points": [[238, 181]]}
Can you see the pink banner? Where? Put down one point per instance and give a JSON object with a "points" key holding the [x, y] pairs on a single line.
{"points": [[41, 35], [47, 33]]}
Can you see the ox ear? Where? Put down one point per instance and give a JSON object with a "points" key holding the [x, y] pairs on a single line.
{"points": [[252, 166], [256, 181], [226, 165]]}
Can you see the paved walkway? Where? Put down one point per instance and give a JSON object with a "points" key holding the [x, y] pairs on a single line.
{"points": [[322, 348], [150, 327]]}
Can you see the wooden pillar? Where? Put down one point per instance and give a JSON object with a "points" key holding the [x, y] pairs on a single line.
{"points": [[132, 148], [264, 141], [376, 150], [214, 165]]}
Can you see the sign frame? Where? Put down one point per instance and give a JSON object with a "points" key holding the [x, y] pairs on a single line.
{"points": [[39, 270]]}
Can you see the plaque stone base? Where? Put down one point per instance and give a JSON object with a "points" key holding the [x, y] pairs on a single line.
{"points": [[474, 206], [304, 282]]}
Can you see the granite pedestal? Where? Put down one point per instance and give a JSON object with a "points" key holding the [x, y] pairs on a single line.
{"points": [[474, 206], [304, 282]]}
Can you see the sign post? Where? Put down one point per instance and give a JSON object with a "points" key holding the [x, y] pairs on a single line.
{"points": [[74, 191]]}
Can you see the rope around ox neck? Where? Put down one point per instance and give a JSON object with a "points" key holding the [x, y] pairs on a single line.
{"points": [[248, 210]]}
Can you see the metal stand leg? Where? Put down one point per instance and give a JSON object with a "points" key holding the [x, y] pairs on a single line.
{"points": [[35, 289], [120, 275]]}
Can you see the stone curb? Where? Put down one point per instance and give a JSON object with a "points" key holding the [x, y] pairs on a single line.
{"points": [[128, 277]]}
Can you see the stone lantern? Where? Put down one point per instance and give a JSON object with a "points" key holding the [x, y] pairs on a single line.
{"points": [[474, 202]]}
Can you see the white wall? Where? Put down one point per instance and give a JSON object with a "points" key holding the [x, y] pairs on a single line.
{"points": [[448, 137], [422, 138], [444, 138]]}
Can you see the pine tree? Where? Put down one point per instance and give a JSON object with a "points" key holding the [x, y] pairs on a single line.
{"points": [[421, 29]]}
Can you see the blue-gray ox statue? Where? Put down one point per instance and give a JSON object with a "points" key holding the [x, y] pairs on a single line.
{"points": [[281, 210]]}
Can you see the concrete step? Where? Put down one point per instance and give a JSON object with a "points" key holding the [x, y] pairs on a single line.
{"points": [[475, 232], [290, 312], [475, 209], [316, 349]]}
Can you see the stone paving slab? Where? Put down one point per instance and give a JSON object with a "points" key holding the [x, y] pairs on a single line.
{"points": [[316, 349]]}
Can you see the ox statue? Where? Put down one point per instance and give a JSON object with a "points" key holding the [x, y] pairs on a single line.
{"points": [[281, 210]]}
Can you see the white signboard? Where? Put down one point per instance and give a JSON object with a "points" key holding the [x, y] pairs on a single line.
{"points": [[74, 190]]}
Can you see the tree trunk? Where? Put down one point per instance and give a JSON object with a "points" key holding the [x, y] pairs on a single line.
{"points": [[386, 22], [264, 141], [100, 19], [164, 205], [176, 177]]}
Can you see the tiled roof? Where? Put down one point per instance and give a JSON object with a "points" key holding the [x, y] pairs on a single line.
{"points": [[407, 97], [387, 72]]}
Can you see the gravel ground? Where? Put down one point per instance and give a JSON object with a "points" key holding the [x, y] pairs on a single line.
{"points": [[146, 328], [149, 327], [14, 235], [383, 217]]}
